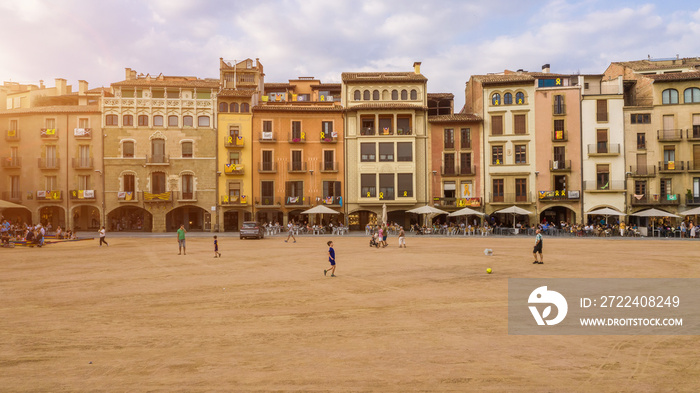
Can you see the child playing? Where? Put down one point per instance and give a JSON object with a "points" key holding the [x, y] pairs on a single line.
{"points": [[217, 254], [331, 259]]}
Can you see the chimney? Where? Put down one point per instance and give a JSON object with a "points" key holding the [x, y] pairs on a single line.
{"points": [[82, 88], [416, 67], [41, 84], [545, 68], [60, 86], [130, 74]]}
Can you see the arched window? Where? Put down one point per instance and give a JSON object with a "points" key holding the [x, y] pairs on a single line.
{"points": [[375, 95], [172, 121], [234, 107], [496, 99], [394, 95], [358, 95], [414, 95], [223, 107], [187, 121], [143, 120], [112, 120], [519, 98], [404, 95], [245, 108], [691, 94], [508, 99], [158, 120], [669, 96], [128, 120], [203, 121], [365, 95]]}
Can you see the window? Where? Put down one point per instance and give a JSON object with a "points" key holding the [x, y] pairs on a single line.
{"points": [[84, 156], [173, 94], [245, 108], [496, 99], [520, 154], [404, 95], [158, 150], [640, 118], [640, 187], [158, 182], [465, 164], [641, 141], [326, 129], [111, 120], [602, 110], [329, 160], [127, 149], [187, 121], [267, 163], [602, 177], [267, 190], [186, 149], [691, 95], [696, 126], [82, 123], [519, 124], [375, 95], [465, 141], [386, 186], [602, 141], [128, 120], [497, 125], [332, 189], [449, 138], [559, 157], [559, 130], [497, 190], [187, 186], [508, 99], [223, 107], [203, 121], [158, 120], [414, 95], [449, 162], [403, 125], [386, 151], [296, 160], [368, 185], [405, 185], [558, 105], [365, 95], [296, 130], [404, 151], [394, 95], [385, 125], [84, 182], [51, 123], [665, 188], [368, 152], [129, 183], [51, 183], [143, 120], [669, 157], [267, 125], [234, 191], [519, 98], [357, 96], [233, 108], [521, 190], [295, 189], [172, 121], [497, 155], [669, 96]]}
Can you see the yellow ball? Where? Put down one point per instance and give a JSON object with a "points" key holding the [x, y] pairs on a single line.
{"points": [[488, 270]]}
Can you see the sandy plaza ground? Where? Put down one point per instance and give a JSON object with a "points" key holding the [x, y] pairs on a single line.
{"points": [[135, 316]]}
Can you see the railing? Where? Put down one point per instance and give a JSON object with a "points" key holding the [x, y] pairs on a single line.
{"points": [[48, 133], [158, 159], [367, 131], [331, 200], [127, 196], [693, 166], [560, 136], [511, 198], [297, 200], [13, 196], [82, 195], [267, 167], [467, 170], [385, 131], [234, 200], [186, 195], [643, 170], [675, 134], [465, 144], [449, 170], [401, 131], [82, 163], [604, 148], [328, 166], [297, 137], [49, 163], [296, 167], [267, 201], [267, 137], [692, 200], [560, 166], [656, 199], [234, 169], [693, 134], [82, 133], [457, 202], [12, 162], [232, 141], [149, 197], [559, 109], [611, 185], [12, 135], [329, 139], [671, 166], [49, 196], [559, 195]]}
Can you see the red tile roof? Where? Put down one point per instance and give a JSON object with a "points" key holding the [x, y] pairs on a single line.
{"points": [[650, 65], [297, 108], [370, 77], [455, 118], [143, 82], [387, 106], [676, 76], [54, 109]]}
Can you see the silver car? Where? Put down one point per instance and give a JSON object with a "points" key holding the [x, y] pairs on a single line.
{"points": [[252, 229]]}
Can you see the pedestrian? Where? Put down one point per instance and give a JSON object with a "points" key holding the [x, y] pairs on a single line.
{"points": [[290, 231], [331, 259], [538, 248], [380, 231], [181, 240], [103, 233], [217, 254], [402, 238], [386, 234]]}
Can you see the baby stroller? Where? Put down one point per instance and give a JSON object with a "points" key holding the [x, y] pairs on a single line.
{"points": [[373, 241]]}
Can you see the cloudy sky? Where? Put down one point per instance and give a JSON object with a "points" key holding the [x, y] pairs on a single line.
{"points": [[96, 40]]}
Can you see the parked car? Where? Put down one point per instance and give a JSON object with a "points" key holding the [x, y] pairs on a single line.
{"points": [[252, 229]]}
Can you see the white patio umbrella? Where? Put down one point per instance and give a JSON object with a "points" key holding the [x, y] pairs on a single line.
{"points": [[691, 212], [320, 209], [465, 212], [606, 212], [653, 213], [8, 205], [384, 215], [427, 209], [514, 210]]}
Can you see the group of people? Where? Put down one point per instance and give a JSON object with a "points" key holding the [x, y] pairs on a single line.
{"points": [[380, 233], [31, 234]]}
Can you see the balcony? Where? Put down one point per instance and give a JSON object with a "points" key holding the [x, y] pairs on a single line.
{"points": [[158, 159], [267, 201], [332, 200], [234, 200], [127, 196], [297, 137], [149, 197], [560, 136], [692, 200], [234, 141], [298, 200], [608, 186], [296, 167], [559, 109], [325, 138], [467, 170], [512, 198], [49, 196], [693, 134], [48, 133], [12, 135], [401, 131], [603, 149], [82, 133], [655, 199], [328, 166], [267, 167], [12, 162], [671, 135], [448, 170], [82, 163], [12, 196], [559, 196], [367, 131], [234, 169], [456, 202], [186, 196], [643, 170], [49, 163], [560, 166], [671, 167], [465, 144], [82, 195], [267, 137], [385, 131], [693, 166]]}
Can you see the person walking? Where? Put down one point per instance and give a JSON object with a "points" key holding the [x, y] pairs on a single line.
{"points": [[331, 259], [217, 254], [290, 231], [402, 238], [103, 233], [386, 235], [181, 240], [538, 248]]}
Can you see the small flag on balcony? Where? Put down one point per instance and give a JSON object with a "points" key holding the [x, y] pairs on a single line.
{"points": [[559, 135], [673, 197], [163, 196], [244, 199], [129, 195], [121, 195], [671, 165], [41, 194], [89, 193], [292, 199], [55, 194], [329, 200], [340, 201], [11, 133]]}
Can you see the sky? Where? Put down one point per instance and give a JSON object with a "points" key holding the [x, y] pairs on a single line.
{"points": [[96, 40]]}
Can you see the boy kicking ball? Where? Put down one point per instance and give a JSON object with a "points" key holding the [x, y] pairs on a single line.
{"points": [[331, 259]]}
